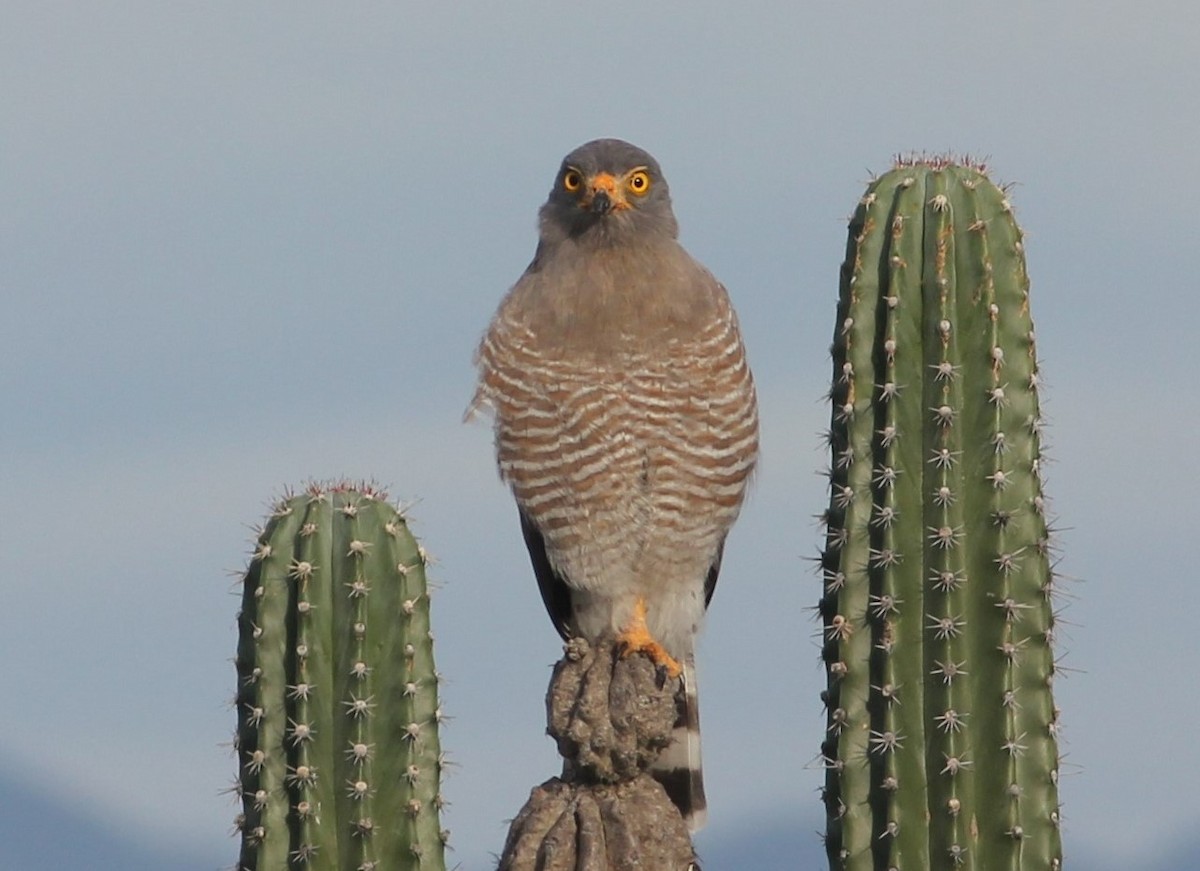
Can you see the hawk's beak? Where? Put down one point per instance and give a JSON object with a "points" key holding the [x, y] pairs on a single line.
{"points": [[602, 203], [604, 195]]}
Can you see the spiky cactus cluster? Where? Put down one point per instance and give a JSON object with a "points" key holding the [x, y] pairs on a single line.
{"points": [[337, 736], [941, 746]]}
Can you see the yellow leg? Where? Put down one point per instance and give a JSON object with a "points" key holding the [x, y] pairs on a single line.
{"points": [[636, 638]]}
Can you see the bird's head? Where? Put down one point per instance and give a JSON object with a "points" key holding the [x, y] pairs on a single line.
{"points": [[608, 191]]}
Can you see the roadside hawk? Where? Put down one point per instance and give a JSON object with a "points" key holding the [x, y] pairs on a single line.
{"points": [[625, 422]]}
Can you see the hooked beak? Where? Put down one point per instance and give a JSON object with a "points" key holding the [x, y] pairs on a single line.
{"points": [[602, 203], [603, 195]]}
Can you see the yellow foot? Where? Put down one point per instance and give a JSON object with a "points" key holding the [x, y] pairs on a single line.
{"points": [[636, 638]]}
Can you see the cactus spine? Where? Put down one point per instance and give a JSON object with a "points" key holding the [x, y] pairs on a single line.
{"points": [[941, 748], [337, 736]]}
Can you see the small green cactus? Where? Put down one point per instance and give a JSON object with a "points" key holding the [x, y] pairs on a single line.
{"points": [[338, 715], [941, 741]]}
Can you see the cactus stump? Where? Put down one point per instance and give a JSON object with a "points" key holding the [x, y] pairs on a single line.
{"points": [[611, 717]]}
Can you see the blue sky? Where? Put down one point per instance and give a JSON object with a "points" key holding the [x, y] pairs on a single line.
{"points": [[242, 245]]}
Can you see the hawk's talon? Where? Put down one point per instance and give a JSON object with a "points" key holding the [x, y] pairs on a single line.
{"points": [[636, 638]]}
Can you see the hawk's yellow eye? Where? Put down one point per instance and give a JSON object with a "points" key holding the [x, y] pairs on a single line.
{"points": [[639, 182], [571, 180]]}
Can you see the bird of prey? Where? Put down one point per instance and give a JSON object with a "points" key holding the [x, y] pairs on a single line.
{"points": [[626, 422]]}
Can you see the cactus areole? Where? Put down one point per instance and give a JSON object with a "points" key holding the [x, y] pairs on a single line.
{"points": [[937, 623], [337, 736]]}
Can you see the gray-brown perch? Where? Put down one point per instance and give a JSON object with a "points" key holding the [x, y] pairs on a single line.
{"points": [[611, 717]]}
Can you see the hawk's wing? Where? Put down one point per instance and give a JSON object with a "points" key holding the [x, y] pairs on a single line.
{"points": [[556, 595], [710, 582]]}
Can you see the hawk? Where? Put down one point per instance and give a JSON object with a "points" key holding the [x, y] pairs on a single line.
{"points": [[626, 423]]}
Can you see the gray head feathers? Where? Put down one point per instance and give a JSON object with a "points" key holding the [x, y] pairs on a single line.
{"points": [[607, 192]]}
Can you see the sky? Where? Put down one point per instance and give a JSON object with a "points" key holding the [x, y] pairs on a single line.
{"points": [[246, 245]]}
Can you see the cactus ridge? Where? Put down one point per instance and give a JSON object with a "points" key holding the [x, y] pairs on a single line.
{"points": [[338, 713], [941, 745]]}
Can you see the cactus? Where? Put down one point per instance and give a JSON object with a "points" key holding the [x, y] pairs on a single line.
{"points": [[337, 735], [611, 716], [941, 743]]}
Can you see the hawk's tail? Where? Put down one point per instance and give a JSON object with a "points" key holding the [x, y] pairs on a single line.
{"points": [[678, 766]]}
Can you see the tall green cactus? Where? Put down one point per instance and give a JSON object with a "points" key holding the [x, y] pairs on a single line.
{"points": [[338, 751], [941, 748]]}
